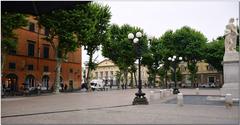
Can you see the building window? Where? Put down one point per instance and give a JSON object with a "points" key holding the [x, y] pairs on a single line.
{"points": [[30, 67], [71, 70], [47, 30], [96, 75], [31, 47], [30, 81], [12, 52], [12, 66], [106, 74], [182, 68], [111, 74], [210, 68], [31, 27], [101, 75], [45, 81], [45, 69], [45, 52], [211, 79]]}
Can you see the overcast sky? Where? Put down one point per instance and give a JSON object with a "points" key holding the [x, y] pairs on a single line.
{"points": [[156, 17]]}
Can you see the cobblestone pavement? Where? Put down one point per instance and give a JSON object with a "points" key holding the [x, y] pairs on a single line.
{"points": [[113, 107]]}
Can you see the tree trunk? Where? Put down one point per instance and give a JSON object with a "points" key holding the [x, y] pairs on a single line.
{"points": [[192, 67], [135, 78], [131, 82], [125, 78], [3, 60], [58, 74], [154, 80], [166, 79], [89, 70]]}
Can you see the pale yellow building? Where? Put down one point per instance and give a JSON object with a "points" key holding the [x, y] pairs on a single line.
{"points": [[206, 74], [107, 70]]}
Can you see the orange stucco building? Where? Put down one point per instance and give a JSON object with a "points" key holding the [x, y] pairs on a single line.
{"points": [[34, 61]]}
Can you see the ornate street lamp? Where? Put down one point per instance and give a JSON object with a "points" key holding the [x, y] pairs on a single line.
{"points": [[174, 60], [139, 99]]}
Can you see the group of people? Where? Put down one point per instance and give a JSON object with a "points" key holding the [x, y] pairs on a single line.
{"points": [[64, 87]]}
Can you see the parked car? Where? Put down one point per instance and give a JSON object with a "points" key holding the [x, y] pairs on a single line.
{"points": [[205, 85], [184, 85], [208, 85]]}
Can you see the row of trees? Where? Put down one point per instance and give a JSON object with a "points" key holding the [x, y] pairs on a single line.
{"points": [[186, 42], [88, 25]]}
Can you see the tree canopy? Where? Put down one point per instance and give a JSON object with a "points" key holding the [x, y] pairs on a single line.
{"points": [[10, 22], [122, 51], [214, 53], [59, 24]]}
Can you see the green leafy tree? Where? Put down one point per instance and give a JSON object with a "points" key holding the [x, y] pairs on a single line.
{"points": [[118, 78], [92, 29], [178, 75], [121, 50], [154, 58], [58, 23], [167, 39], [190, 44], [10, 22], [161, 74], [214, 52], [132, 71]]}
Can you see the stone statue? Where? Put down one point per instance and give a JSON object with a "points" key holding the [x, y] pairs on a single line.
{"points": [[230, 36]]}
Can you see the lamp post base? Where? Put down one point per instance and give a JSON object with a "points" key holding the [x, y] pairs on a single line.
{"points": [[176, 91], [140, 99]]}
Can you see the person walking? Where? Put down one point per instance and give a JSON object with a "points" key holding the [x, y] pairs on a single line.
{"points": [[38, 89]]}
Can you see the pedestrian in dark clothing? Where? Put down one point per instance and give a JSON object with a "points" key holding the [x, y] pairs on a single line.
{"points": [[38, 89], [62, 87], [111, 83], [65, 87]]}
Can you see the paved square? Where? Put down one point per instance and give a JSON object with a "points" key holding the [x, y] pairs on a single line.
{"points": [[113, 107]]}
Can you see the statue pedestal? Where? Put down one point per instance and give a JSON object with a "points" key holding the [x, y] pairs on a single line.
{"points": [[231, 74]]}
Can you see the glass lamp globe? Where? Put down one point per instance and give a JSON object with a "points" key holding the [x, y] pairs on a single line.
{"points": [[174, 57], [135, 40], [150, 37], [149, 43], [180, 58], [161, 65], [138, 34], [130, 36], [169, 58]]}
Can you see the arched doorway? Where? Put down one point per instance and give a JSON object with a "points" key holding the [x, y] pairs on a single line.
{"points": [[11, 83], [45, 82], [30, 82]]}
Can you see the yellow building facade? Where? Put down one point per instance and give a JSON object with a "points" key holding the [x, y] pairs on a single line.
{"points": [[206, 74], [107, 70]]}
